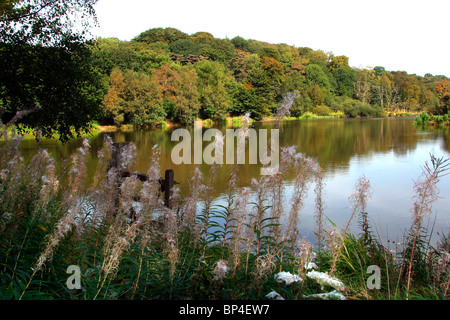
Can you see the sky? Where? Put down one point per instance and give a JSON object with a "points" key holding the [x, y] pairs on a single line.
{"points": [[399, 35]]}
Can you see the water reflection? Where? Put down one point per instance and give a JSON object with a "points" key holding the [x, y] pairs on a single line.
{"points": [[389, 152]]}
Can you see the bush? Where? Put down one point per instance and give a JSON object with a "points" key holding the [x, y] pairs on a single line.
{"points": [[437, 119], [422, 119], [307, 115], [321, 110], [338, 114], [355, 108]]}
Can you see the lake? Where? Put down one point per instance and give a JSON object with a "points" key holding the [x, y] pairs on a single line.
{"points": [[388, 152]]}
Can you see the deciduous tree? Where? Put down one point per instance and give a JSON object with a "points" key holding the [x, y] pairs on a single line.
{"points": [[212, 82], [187, 102], [47, 81], [113, 102], [142, 99]]}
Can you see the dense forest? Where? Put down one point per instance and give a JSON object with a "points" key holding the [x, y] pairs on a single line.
{"points": [[58, 81], [165, 74]]}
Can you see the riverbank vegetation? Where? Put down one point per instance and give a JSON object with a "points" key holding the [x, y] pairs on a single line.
{"points": [[249, 247], [425, 119]]}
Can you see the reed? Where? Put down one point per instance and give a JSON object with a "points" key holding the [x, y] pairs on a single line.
{"points": [[248, 248], [426, 193]]}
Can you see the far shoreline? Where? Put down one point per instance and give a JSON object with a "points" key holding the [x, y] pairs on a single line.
{"points": [[229, 121]]}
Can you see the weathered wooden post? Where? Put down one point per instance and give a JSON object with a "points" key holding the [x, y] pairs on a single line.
{"points": [[166, 183], [115, 160], [168, 188]]}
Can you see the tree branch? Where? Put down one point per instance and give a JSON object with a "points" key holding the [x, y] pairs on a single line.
{"points": [[19, 114], [28, 14]]}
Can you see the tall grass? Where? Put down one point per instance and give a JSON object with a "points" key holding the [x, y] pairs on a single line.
{"points": [[248, 248]]}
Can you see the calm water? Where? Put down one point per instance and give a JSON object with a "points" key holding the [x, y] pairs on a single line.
{"points": [[388, 152]]}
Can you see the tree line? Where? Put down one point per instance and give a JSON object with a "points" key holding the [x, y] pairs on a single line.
{"points": [[166, 74], [55, 80]]}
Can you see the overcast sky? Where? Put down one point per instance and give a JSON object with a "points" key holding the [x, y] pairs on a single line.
{"points": [[411, 36]]}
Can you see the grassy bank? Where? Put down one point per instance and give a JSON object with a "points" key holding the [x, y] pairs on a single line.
{"points": [[29, 133], [198, 249], [426, 119], [96, 128]]}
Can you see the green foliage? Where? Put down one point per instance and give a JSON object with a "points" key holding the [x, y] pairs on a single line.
{"points": [[345, 78], [321, 110], [316, 76], [143, 103], [45, 22], [167, 35], [240, 43], [112, 53], [244, 100], [422, 119], [60, 82], [266, 79], [204, 44], [187, 104], [308, 115], [212, 87], [225, 78], [354, 108], [379, 70], [425, 119], [251, 76], [48, 81]]}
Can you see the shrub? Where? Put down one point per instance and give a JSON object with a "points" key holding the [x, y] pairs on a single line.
{"points": [[355, 108], [422, 119], [437, 119], [307, 115], [337, 115], [321, 110]]}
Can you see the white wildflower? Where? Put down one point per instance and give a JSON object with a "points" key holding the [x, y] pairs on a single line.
{"points": [[324, 278], [274, 295], [310, 265], [333, 295], [287, 277]]}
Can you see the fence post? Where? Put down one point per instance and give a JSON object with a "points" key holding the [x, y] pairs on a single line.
{"points": [[115, 160], [168, 187]]}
